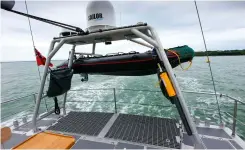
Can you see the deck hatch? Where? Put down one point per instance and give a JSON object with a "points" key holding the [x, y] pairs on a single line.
{"points": [[89, 123], [143, 129]]}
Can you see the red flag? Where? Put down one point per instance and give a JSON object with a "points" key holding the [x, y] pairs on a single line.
{"points": [[41, 59]]}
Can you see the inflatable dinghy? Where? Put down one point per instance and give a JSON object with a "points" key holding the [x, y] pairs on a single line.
{"points": [[129, 64]]}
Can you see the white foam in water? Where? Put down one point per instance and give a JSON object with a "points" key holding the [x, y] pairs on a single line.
{"points": [[140, 97], [81, 94], [124, 109], [189, 83]]}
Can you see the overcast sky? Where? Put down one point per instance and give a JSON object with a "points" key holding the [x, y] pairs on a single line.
{"points": [[175, 22]]}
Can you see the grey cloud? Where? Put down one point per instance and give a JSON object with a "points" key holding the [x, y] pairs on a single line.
{"points": [[176, 22], [168, 15]]}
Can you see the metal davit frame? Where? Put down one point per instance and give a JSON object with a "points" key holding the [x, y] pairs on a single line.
{"points": [[142, 31]]}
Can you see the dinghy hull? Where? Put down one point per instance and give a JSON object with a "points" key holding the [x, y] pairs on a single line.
{"points": [[130, 64]]}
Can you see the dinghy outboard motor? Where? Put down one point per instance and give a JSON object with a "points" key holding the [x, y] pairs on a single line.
{"points": [[8, 5]]}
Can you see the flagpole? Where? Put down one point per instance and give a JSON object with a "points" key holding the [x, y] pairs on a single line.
{"points": [[34, 48]]}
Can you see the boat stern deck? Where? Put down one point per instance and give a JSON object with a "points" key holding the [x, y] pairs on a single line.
{"points": [[96, 130]]}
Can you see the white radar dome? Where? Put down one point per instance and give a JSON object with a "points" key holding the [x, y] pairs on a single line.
{"points": [[100, 15]]}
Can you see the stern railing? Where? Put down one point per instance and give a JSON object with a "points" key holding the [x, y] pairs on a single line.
{"points": [[116, 101]]}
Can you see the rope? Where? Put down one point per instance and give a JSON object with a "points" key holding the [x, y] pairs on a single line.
{"points": [[56, 106], [34, 48], [208, 61], [32, 38], [180, 61], [158, 83]]}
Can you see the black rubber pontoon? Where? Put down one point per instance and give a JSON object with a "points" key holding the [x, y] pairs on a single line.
{"points": [[129, 64]]}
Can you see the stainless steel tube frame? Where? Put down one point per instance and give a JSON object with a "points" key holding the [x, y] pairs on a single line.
{"points": [[155, 42], [144, 37], [39, 96], [163, 57], [139, 42], [104, 33], [93, 48], [71, 57], [234, 119], [115, 99]]}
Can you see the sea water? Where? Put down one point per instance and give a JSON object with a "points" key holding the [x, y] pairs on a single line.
{"points": [[21, 80]]}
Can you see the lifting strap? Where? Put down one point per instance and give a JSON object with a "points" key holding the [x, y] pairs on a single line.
{"points": [[56, 106]]}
